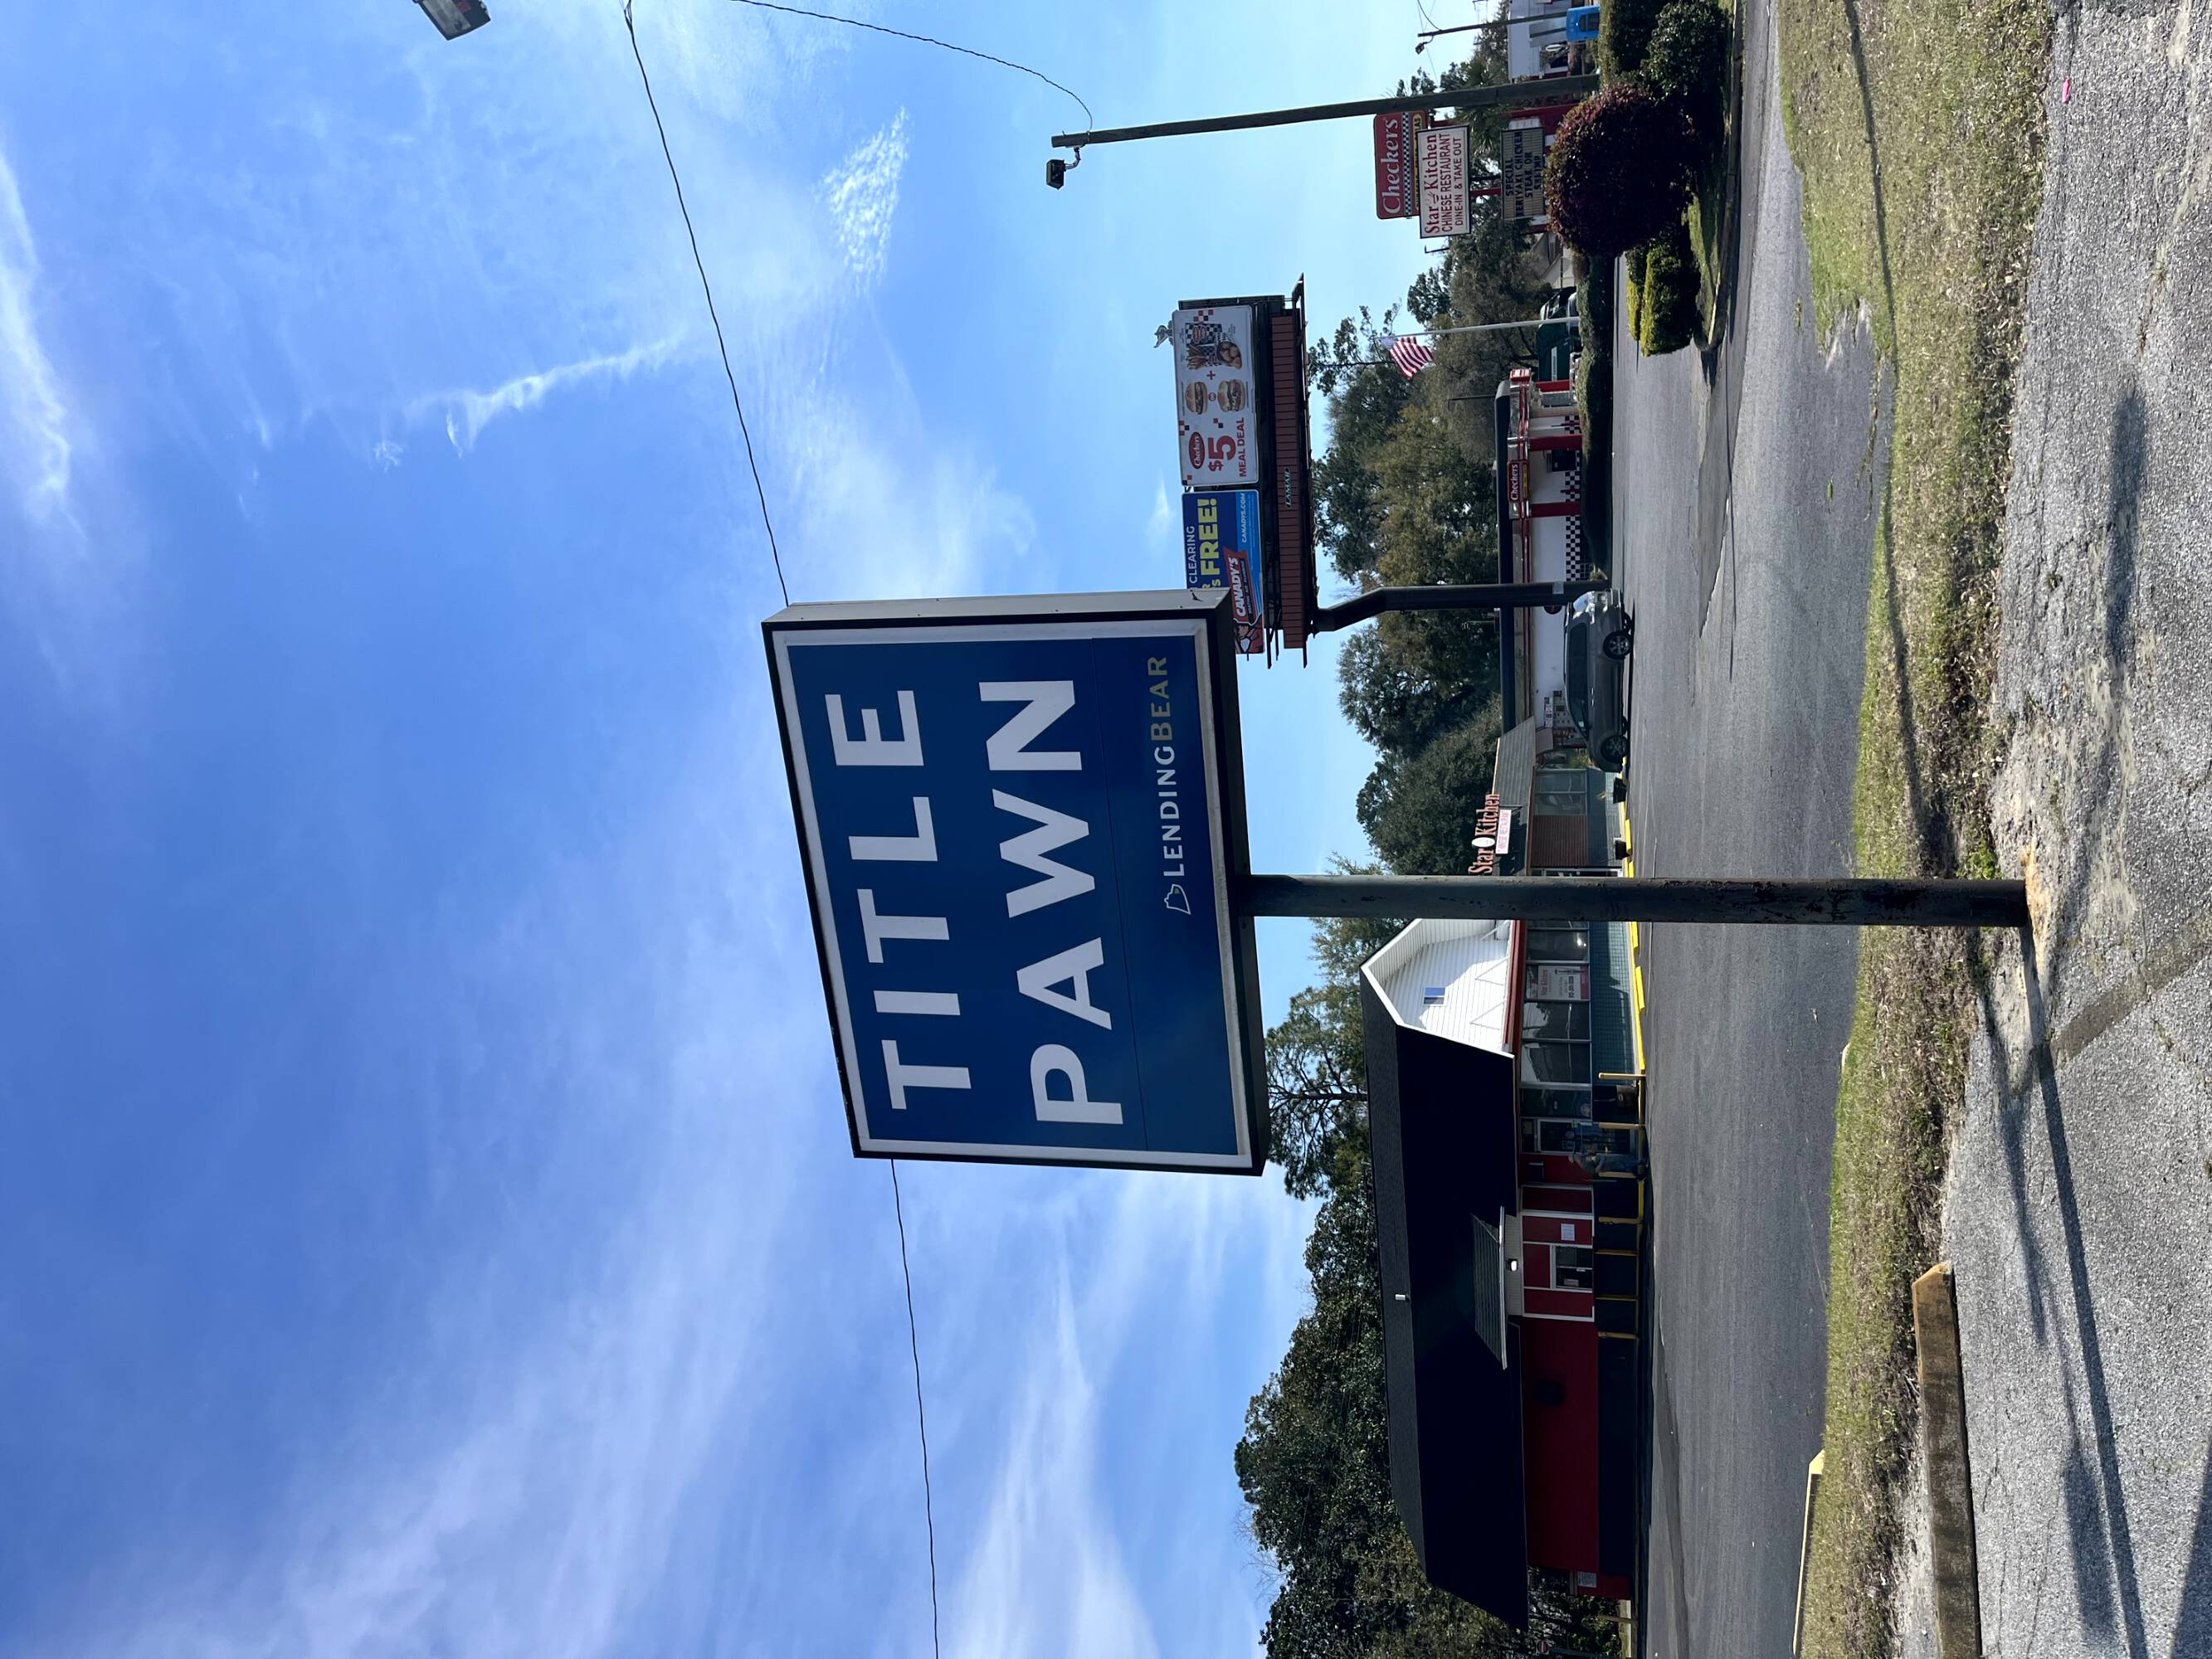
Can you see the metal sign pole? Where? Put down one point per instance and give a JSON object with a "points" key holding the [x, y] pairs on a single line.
{"points": [[1454, 596], [1848, 903]]}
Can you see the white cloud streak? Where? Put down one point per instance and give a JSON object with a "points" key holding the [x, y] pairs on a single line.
{"points": [[1134, 1283], [467, 413], [1048, 1576], [862, 192], [35, 420]]}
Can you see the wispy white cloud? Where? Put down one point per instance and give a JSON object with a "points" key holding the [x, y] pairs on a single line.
{"points": [[1047, 1577], [1105, 1306], [468, 413], [1163, 526], [36, 422], [514, 1483], [863, 191], [878, 505]]}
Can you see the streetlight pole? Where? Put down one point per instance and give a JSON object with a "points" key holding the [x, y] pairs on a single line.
{"points": [[1427, 35], [1513, 95]]}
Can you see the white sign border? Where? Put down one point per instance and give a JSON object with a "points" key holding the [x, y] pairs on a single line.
{"points": [[1463, 139]]}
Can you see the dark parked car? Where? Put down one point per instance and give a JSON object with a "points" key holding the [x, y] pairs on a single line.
{"points": [[1599, 636]]}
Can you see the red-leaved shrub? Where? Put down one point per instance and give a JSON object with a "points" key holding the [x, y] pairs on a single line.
{"points": [[1619, 170]]}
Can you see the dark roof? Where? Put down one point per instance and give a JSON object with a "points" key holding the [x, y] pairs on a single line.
{"points": [[1442, 1118], [1513, 773]]}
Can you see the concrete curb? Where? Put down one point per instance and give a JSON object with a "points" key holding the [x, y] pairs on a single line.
{"points": [[1813, 1471], [1950, 1476]]}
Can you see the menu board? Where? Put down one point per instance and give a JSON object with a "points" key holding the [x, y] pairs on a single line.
{"points": [[1216, 399]]}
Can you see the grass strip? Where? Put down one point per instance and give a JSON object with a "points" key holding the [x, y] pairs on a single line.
{"points": [[1919, 130]]}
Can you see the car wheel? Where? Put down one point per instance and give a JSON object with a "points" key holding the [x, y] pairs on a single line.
{"points": [[1613, 752], [1618, 644]]}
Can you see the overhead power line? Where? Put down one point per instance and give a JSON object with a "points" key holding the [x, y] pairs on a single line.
{"points": [[898, 1207], [926, 40], [720, 344], [921, 1419]]}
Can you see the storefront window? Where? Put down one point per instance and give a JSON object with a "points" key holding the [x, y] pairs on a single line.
{"points": [[1559, 791], [1555, 1019], [1555, 1062], [1558, 944], [1547, 1134], [1555, 1102]]}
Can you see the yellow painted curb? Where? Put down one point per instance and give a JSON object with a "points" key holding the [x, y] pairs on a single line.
{"points": [[1635, 946], [1805, 1547]]}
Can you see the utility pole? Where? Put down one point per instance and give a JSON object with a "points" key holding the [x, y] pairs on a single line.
{"points": [[1513, 95]]}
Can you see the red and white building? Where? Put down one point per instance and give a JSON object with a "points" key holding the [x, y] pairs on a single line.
{"points": [[1540, 535], [1503, 1105]]}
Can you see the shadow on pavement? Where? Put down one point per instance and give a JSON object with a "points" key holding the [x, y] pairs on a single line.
{"points": [[2096, 1502], [2192, 1629], [1661, 1484]]}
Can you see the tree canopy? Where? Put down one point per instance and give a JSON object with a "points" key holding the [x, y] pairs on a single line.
{"points": [[1405, 492], [1314, 1462], [1406, 495]]}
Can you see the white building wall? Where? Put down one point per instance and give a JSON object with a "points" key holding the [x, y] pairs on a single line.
{"points": [[1535, 23], [1469, 961]]}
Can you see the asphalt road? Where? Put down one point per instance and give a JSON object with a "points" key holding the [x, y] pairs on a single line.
{"points": [[2078, 1216], [1745, 493]]}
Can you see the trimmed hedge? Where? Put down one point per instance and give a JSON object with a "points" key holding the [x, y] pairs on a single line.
{"points": [[1594, 392], [1623, 33], [1594, 309], [1670, 319], [1688, 63], [1619, 170]]}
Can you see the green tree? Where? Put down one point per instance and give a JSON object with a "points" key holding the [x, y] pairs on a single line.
{"points": [[1315, 1465], [1317, 1058], [1420, 809], [1363, 404]]}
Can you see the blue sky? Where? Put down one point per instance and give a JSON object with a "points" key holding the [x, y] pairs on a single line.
{"points": [[431, 1224]]}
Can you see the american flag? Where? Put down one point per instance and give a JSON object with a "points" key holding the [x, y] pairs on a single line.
{"points": [[1411, 355]]}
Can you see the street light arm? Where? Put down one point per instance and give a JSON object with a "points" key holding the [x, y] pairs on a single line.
{"points": [[1563, 88]]}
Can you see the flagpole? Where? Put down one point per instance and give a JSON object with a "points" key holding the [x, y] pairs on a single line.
{"points": [[1434, 333], [1473, 328]]}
